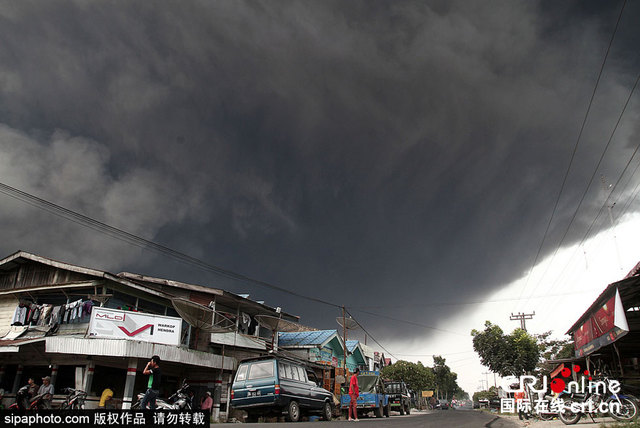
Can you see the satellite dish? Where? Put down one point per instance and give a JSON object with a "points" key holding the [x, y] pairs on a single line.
{"points": [[348, 323], [202, 317], [277, 324]]}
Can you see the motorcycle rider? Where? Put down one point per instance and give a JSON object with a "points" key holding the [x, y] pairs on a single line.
{"points": [[32, 387], [46, 390]]}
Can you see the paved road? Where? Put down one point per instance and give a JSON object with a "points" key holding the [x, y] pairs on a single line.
{"points": [[433, 419]]}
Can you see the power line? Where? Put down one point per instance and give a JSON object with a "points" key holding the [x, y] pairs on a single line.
{"points": [[135, 240], [371, 336], [132, 239], [606, 202], [470, 302], [575, 149], [584, 194], [431, 355], [410, 322]]}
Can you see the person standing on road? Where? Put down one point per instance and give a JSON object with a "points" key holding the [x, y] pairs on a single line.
{"points": [[354, 392], [520, 404], [153, 387]]}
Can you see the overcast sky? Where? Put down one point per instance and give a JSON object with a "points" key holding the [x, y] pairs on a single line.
{"points": [[382, 155]]}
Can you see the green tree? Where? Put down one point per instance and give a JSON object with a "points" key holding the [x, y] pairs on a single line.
{"points": [[416, 375], [485, 395], [551, 349], [514, 354], [446, 380]]}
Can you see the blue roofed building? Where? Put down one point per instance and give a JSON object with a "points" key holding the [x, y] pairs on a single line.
{"points": [[358, 356], [321, 346]]}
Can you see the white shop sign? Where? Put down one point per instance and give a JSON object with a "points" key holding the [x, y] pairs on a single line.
{"points": [[117, 324]]}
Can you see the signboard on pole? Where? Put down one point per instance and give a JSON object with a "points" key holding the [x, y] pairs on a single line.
{"points": [[427, 394], [117, 324]]}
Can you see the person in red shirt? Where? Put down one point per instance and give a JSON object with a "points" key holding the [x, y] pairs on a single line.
{"points": [[520, 396], [354, 391]]}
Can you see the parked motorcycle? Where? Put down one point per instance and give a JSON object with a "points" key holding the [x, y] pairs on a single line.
{"points": [[75, 399], [182, 399], [621, 407], [24, 402]]}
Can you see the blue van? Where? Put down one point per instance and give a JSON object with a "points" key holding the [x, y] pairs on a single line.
{"points": [[275, 385]]}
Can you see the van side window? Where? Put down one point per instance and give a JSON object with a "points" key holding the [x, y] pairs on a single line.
{"points": [[312, 376], [301, 374], [294, 373], [242, 373], [285, 370], [261, 370]]}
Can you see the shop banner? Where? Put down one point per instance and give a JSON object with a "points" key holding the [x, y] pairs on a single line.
{"points": [[603, 327], [116, 324]]}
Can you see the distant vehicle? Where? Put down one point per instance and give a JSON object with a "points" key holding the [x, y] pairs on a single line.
{"points": [[443, 405], [399, 397], [274, 385], [372, 395], [494, 403]]}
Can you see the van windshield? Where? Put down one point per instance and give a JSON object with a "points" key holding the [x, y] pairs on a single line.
{"points": [[261, 370]]}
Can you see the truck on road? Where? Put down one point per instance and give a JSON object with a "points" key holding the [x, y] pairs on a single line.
{"points": [[399, 396], [372, 395]]}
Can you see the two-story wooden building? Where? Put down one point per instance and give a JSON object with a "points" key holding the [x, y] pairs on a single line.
{"points": [[92, 329]]}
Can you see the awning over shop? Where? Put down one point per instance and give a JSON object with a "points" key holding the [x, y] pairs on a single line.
{"points": [[612, 316], [604, 322], [136, 349]]}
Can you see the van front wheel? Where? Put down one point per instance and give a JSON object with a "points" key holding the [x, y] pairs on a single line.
{"points": [[293, 411], [327, 412]]}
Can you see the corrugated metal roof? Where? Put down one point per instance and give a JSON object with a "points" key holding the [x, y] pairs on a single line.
{"points": [[306, 338], [351, 345], [367, 351], [14, 345]]}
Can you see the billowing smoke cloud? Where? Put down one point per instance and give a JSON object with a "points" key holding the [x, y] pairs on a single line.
{"points": [[369, 153]]}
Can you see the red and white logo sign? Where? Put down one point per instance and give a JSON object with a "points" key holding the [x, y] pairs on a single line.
{"points": [[118, 324]]}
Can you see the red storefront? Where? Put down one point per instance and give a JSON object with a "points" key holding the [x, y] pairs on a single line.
{"points": [[608, 333]]}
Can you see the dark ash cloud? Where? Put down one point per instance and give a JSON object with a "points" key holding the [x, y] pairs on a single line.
{"points": [[363, 152]]}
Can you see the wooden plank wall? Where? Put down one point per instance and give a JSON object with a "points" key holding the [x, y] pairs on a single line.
{"points": [[8, 306]]}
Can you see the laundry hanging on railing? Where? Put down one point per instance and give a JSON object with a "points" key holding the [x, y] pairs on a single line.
{"points": [[32, 314]]}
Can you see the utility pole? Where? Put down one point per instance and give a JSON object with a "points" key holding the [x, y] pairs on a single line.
{"points": [[522, 317], [344, 342], [486, 376]]}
